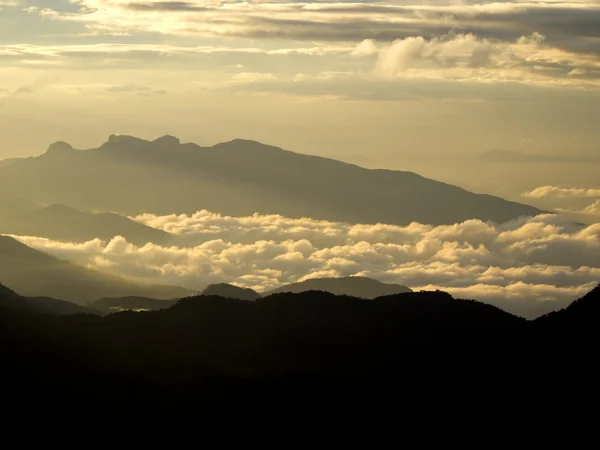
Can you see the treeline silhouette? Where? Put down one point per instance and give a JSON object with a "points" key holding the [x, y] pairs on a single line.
{"points": [[295, 350]]}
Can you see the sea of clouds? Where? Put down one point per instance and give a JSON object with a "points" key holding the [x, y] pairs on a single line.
{"points": [[527, 266]]}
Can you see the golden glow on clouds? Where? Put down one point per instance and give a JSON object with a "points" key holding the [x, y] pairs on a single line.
{"points": [[526, 266]]}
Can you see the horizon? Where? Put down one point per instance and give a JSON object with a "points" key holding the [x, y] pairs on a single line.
{"points": [[307, 204], [349, 81]]}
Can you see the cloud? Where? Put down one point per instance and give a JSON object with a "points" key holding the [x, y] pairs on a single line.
{"points": [[531, 42], [593, 209], [252, 77], [562, 193], [366, 48], [348, 21], [589, 212], [528, 265], [462, 50]]}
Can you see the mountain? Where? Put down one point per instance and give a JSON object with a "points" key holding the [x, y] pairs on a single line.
{"points": [[111, 305], [229, 291], [33, 273], [45, 305], [241, 177], [63, 223], [6, 162], [360, 287], [300, 350]]}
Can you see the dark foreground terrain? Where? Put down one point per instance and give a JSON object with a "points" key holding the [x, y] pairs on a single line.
{"points": [[311, 350]]}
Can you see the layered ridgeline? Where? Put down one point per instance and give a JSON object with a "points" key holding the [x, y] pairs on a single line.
{"points": [[241, 177], [33, 273], [45, 305], [357, 287], [63, 223], [361, 287]]}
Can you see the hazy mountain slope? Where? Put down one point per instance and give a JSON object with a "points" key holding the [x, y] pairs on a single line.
{"points": [[240, 177], [45, 305], [229, 291], [8, 161], [33, 273], [360, 287], [63, 223]]}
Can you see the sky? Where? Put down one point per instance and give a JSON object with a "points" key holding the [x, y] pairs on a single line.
{"points": [[381, 83]]}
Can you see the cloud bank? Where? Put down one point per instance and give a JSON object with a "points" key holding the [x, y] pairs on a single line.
{"points": [[531, 42], [570, 201], [560, 192], [527, 266]]}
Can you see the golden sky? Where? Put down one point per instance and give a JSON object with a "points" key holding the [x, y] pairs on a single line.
{"points": [[372, 79], [422, 86]]}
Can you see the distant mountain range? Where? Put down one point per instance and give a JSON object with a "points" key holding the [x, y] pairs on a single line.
{"points": [[33, 273], [63, 223], [130, 175], [360, 287], [229, 291], [44, 305]]}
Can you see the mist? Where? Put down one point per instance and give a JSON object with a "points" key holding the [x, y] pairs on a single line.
{"points": [[529, 266]]}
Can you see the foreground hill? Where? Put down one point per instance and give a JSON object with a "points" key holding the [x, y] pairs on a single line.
{"points": [[299, 350], [361, 287], [33, 273], [63, 223], [131, 175]]}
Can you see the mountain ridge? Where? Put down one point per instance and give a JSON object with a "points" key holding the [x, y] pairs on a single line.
{"points": [[63, 223], [361, 287], [131, 175], [36, 274]]}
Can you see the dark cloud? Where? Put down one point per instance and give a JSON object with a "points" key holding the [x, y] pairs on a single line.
{"points": [[165, 6]]}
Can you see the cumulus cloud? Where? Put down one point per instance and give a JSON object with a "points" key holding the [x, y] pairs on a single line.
{"points": [[460, 51], [589, 212], [528, 266], [562, 193]]}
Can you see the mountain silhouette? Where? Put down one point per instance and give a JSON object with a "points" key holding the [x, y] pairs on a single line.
{"points": [[241, 177], [33, 273], [299, 350], [361, 287], [229, 291], [578, 323], [60, 222]]}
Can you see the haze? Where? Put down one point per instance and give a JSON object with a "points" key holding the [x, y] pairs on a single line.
{"points": [[406, 85]]}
